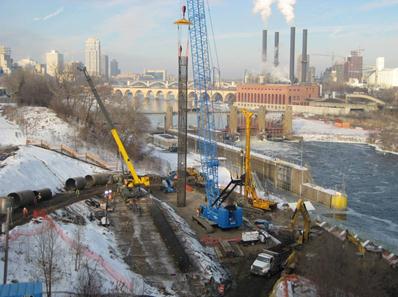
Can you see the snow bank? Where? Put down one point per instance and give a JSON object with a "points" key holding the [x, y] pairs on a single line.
{"points": [[100, 250], [35, 168], [315, 130]]}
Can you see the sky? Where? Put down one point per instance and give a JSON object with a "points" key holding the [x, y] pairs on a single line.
{"points": [[140, 33]]}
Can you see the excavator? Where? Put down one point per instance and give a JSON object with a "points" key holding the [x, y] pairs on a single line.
{"points": [[250, 189], [301, 208], [132, 186]]}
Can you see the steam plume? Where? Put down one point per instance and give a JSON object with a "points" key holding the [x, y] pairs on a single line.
{"points": [[264, 8], [286, 7]]}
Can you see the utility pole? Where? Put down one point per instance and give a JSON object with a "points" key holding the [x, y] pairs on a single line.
{"points": [[6, 247]]}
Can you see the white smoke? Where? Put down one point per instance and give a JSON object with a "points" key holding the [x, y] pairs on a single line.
{"points": [[286, 7], [264, 8]]}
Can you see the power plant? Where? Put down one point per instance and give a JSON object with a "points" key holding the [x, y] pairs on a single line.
{"points": [[276, 50], [265, 45], [292, 53]]}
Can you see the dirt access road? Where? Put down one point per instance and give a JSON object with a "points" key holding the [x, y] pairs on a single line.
{"points": [[145, 251]]}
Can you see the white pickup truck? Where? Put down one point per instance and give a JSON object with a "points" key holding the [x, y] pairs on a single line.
{"points": [[254, 236], [267, 263]]}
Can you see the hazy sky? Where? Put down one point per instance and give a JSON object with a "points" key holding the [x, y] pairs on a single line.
{"points": [[140, 33]]}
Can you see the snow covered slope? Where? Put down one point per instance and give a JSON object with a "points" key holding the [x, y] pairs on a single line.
{"points": [[35, 168], [99, 250], [10, 133]]}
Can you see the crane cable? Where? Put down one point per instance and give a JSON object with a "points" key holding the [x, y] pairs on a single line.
{"points": [[214, 38]]}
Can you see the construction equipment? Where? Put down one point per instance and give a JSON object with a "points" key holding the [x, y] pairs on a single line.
{"points": [[250, 189], [305, 233], [355, 241], [168, 182], [135, 182], [224, 216]]}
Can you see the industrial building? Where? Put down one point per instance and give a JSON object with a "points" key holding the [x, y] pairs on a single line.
{"points": [[383, 77], [271, 95]]}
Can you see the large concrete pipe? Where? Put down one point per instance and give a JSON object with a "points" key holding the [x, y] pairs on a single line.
{"points": [[5, 202], [43, 194], [74, 183], [97, 179], [22, 198]]}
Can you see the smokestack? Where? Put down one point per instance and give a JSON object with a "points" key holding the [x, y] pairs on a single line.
{"points": [[304, 60], [264, 46], [292, 52], [276, 54]]}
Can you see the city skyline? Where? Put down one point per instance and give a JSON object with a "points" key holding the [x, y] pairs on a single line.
{"points": [[142, 35]]}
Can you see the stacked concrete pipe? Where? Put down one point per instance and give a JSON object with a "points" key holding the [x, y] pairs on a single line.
{"points": [[75, 183]]}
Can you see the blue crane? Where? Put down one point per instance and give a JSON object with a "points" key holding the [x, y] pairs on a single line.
{"points": [[218, 210]]}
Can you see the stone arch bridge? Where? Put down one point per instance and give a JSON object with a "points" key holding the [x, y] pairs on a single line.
{"points": [[221, 95]]}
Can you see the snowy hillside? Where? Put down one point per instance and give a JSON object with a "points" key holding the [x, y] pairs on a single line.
{"points": [[315, 130], [10, 133], [33, 168], [99, 250]]}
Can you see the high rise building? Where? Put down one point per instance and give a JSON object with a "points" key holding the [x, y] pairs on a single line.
{"points": [[114, 65], [93, 56], [55, 63], [5, 60], [354, 66], [105, 67]]}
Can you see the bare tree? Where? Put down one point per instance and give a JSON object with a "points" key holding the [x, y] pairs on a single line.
{"points": [[46, 255], [79, 247], [89, 281]]}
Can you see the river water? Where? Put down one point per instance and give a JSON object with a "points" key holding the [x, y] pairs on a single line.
{"points": [[369, 178]]}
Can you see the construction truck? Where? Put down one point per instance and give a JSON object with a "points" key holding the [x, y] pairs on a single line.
{"points": [[269, 263], [250, 189], [305, 233], [132, 186]]}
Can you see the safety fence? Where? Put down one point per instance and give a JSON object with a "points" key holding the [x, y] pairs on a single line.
{"points": [[70, 152], [115, 275]]}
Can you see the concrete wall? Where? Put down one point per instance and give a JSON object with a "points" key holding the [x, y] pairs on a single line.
{"points": [[284, 175]]}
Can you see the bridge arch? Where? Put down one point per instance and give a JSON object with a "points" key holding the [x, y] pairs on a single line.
{"points": [[217, 97], [230, 98], [358, 97], [139, 84], [128, 93], [157, 84], [160, 94], [139, 94], [170, 95], [118, 93], [149, 94], [173, 84]]}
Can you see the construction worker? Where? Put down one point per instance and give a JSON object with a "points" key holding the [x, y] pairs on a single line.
{"points": [[77, 193], [25, 212]]}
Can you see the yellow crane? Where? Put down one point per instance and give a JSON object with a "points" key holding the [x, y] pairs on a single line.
{"points": [[136, 180], [250, 189], [301, 208]]}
